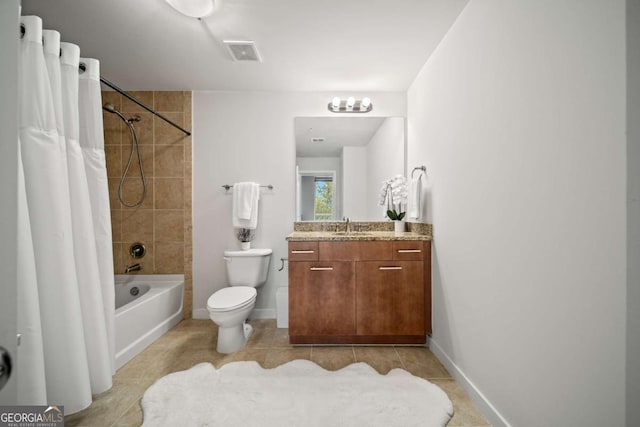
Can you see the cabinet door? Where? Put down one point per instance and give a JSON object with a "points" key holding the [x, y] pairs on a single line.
{"points": [[391, 298], [322, 298]]}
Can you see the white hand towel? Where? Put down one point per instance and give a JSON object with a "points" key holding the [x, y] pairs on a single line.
{"points": [[414, 197], [245, 205]]}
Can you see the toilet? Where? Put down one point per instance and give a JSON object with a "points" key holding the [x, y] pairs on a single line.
{"points": [[229, 307]]}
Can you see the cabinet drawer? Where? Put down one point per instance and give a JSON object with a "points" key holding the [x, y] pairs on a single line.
{"points": [[408, 250], [303, 251], [355, 251]]}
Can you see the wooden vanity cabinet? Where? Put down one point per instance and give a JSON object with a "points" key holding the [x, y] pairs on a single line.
{"points": [[322, 298], [359, 292]]}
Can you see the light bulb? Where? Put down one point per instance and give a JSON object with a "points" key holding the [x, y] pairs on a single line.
{"points": [[335, 104], [364, 105], [351, 101]]}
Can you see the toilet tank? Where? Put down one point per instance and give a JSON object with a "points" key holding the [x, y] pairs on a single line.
{"points": [[247, 268]]}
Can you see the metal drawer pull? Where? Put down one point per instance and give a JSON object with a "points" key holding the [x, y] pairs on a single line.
{"points": [[390, 268], [409, 251], [302, 252], [321, 268]]}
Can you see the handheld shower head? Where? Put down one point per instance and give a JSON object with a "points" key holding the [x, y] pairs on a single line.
{"points": [[111, 109]]}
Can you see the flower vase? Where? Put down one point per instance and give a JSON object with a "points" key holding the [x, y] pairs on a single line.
{"points": [[245, 246], [398, 227]]}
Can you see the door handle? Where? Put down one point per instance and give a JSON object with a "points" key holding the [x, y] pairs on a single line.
{"points": [[302, 252], [5, 367], [321, 268], [409, 251], [390, 268]]}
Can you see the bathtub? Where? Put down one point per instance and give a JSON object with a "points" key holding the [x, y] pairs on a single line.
{"points": [[147, 306]]}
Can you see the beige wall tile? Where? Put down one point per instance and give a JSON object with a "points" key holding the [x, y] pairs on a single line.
{"points": [[163, 221], [169, 258], [144, 130], [113, 193], [137, 225], [132, 192], [188, 150], [116, 225], [169, 193], [118, 263], [112, 97], [187, 102], [169, 161], [113, 128], [146, 262], [169, 101], [169, 225], [146, 153], [113, 154], [146, 97], [167, 134], [188, 303]]}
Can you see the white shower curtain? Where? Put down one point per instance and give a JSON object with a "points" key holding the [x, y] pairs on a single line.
{"points": [[84, 241], [77, 357], [92, 144]]}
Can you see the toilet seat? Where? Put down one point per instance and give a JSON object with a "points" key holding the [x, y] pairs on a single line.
{"points": [[232, 298]]}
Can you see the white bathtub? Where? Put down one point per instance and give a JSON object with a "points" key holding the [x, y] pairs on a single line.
{"points": [[143, 318]]}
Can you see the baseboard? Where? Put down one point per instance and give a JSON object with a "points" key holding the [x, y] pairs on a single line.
{"points": [[200, 313], [258, 313], [490, 412]]}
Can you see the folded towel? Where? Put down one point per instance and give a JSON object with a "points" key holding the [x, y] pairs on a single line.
{"points": [[415, 193], [245, 205]]}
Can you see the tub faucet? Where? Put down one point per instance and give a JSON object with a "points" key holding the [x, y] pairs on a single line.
{"points": [[347, 227], [134, 267]]}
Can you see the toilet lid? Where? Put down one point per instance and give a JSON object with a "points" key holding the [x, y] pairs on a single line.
{"points": [[232, 297]]}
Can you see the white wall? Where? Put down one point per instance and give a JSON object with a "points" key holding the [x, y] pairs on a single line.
{"points": [[240, 136], [519, 116], [385, 159], [354, 182], [8, 185], [633, 212]]}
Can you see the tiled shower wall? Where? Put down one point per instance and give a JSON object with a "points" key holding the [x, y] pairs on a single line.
{"points": [[163, 221]]}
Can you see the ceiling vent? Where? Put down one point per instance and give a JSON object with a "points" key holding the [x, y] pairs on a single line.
{"points": [[243, 50]]}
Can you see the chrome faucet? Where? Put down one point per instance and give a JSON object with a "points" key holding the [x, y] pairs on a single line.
{"points": [[347, 228], [134, 267]]}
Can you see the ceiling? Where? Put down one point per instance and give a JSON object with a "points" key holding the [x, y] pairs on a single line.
{"points": [[306, 45], [336, 132]]}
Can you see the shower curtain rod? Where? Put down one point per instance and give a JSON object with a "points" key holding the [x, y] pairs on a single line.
{"points": [[132, 99]]}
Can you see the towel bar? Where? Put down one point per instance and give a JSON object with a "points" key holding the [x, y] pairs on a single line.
{"points": [[228, 187]]}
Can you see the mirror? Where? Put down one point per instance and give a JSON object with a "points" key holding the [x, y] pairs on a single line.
{"points": [[341, 163]]}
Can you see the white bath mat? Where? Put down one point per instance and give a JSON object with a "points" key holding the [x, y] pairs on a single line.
{"points": [[298, 393]]}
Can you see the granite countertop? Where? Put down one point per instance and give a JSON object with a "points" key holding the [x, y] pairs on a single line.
{"points": [[363, 230], [302, 236]]}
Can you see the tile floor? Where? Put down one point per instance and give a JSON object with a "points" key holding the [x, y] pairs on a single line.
{"points": [[194, 341]]}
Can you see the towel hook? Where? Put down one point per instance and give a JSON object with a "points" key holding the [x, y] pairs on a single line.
{"points": [[421, 168]]}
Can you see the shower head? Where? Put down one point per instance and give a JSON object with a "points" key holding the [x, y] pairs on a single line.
{"points": [[109, 107]]}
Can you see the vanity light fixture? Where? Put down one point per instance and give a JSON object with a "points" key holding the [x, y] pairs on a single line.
{"points": [[194, 8], [350, 105]]}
